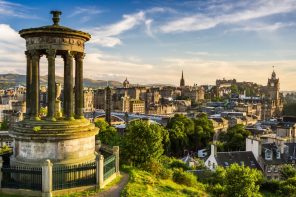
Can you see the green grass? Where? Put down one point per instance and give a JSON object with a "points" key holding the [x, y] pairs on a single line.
{"points": [[142, 183], [94, 192]]}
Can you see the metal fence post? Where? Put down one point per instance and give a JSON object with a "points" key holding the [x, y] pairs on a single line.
{"points": [[1, 165], [100, 170], [47, 179], [116, 154]]}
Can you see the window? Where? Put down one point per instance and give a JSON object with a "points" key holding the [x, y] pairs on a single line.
{"points": [[226, 164], [278, 154], [269, 168], [268, 154], [214, 165], [209, 163]]}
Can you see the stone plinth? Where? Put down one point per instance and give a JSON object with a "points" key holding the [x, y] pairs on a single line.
{"points": [[62, 142]]}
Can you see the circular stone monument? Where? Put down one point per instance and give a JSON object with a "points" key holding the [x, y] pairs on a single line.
{"points": [[64, 139]]}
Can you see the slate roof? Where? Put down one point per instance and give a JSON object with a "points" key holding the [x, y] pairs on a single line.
{"points": [[245, 158]]}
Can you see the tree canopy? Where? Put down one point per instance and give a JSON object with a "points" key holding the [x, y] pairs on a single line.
{"points": [[143, 142], [234, 139]]}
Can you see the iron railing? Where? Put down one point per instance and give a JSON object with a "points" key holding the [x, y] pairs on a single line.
{"points": [[73, 176], [22, 177], [109, 167]]}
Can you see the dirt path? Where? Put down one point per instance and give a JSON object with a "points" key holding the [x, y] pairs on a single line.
{"points": [[115, 190]]}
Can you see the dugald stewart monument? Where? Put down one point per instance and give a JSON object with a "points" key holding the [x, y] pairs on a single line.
{"points": [[64, 137]]}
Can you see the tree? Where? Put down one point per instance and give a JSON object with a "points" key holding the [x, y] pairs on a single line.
{"points": [[234, 139], [289, 109], [142, 142], [107, 134], [238, 181], [234, 89], [287, 171], [288, 187], [203, 132], [179, 127], [4, 125]]}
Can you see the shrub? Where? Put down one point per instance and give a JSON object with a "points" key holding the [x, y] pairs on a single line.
{"points": [[185, 178], [153, 166], [165, 173], [176, 163]]}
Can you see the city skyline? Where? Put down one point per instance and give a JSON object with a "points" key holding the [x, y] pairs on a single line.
{"points": [[153, 42]]}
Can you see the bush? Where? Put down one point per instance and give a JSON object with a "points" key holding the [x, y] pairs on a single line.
{"points": [[165, 173], [153, 166], [185, 178], [176, 163]]}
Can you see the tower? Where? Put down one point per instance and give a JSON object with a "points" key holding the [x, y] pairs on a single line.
{"points": [[273, 87], [126, 83], [182, 81]]}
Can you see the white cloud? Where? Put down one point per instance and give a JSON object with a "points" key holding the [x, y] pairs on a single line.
{"points": [[15, 10], [263, 27], [257, 9]]}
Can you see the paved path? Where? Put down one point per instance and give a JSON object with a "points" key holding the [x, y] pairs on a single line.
{"points": [[115, 190]]}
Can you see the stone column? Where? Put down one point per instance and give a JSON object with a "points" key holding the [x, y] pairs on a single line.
{"points": [[79, 85], [1, 176], [34, 93], [47, 179], [28, 83], [116, 153], [100, 171], [68, 86], [51, 53]]}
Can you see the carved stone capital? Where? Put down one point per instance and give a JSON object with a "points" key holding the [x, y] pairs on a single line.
{"points": [[35, 54], [50, 53], [79, 56]]}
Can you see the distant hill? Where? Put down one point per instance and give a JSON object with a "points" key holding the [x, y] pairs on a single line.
{"points": [[11, 80]]}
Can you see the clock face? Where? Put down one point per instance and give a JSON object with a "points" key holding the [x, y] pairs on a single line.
{"points": [[272, 84]]}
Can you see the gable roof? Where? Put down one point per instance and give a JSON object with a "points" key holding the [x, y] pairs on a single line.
{"points": [[245, 158]]}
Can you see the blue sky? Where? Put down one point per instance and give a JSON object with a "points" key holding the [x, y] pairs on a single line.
{"points": [[152, 41]]}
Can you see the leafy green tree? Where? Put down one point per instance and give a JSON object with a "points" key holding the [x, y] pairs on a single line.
{"points": [[179, 128], [101, 124], [234, 139], [287, 171], [5, 125], [237, 181], [110, 136], [288, 187], [203, 132], [142, 142], [234, 89]]}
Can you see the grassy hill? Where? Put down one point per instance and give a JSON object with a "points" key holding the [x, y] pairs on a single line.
{"points": [[142, 183]]}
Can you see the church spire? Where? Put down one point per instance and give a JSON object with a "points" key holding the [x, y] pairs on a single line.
{"points": [[182, 81]]}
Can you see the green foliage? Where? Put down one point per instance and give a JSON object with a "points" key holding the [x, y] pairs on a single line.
{"points": [[36, 129], [234, 89], [142, 142], [177, 163], [143, 183], [189, 134], [270, 185], [108, 134], [203, 132], [4, 125], [237, 181], [234, 139], [101, 124], [287, 171], [288, 187], [43, 111], [185, 178], [289, 109]]}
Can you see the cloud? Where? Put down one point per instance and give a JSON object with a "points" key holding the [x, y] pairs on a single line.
{"points": [[12, 50], [15, 10], [263, 27], [202, 21], [108, 35]]}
